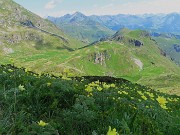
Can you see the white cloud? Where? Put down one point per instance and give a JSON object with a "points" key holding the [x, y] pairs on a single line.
{"points": [[52, 4], [141, 7]]}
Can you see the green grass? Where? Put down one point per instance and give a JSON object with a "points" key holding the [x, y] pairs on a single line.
{"points": [[77, 105], [117, 60]]}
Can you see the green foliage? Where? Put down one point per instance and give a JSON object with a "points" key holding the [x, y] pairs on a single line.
{"points": [[82, 105]]}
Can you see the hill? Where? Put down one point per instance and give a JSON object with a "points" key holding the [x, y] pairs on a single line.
{"points": [[82, 27], [133, 55], [170, 44], [47, 104], [19, 26]]}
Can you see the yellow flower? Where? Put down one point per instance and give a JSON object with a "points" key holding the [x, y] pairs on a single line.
{"points": [[150, 94], [161, 100], [164, 106], [42, 123], [48, 84], [144, 97], [97, 82], [21, 87], [89, 95], [10, 70], [99, 88], [106, 86], [119, 92], [93, 84], [126, 93], [113, 85], [112, 132], [139, 92], [89, 89]]}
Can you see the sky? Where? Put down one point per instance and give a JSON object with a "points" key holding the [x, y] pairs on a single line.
{"points": [[58, 8]]}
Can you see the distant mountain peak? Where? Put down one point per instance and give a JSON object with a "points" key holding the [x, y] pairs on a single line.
{"points": [[78, 15]]}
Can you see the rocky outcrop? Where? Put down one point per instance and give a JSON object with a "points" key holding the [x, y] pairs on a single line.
{"points": [[21, 36], [8, 50], [128, 40], [28, 23], [99, 57], [136, 42], [163, 53], [176, 47]]}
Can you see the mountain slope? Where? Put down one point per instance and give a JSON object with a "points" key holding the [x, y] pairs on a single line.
{"points": [[170, 44], [133, 55], [82, 27], [19, 25]]}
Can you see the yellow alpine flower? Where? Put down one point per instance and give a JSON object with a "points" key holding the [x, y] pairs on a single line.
{"points": [[99, 88], [106, 86], [164, 106], [10, 70], [48, 84], [42, 123], [124, 92], [150, 94], [139, 92], [144, 97], [113, 85], [161, 100], [112, 132], [89, 89], [21, 87]]}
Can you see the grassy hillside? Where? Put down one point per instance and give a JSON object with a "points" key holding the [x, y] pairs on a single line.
{"points": [[19, 25], [45, 104], [118, 56], [171, 46]]}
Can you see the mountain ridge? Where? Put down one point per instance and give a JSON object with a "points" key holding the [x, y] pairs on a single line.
{"points": [[82, 27], [154, 22]]}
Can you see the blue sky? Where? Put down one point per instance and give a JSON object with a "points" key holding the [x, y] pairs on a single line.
{"points": [[99, 7]]}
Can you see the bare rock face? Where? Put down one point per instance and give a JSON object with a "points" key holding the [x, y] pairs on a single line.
{"points": [[136, 42], [100, 57], [8, 50], [21, 36], [128, 40]]}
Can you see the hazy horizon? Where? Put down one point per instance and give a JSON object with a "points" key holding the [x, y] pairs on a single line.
{"points": [[59, 8]]}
